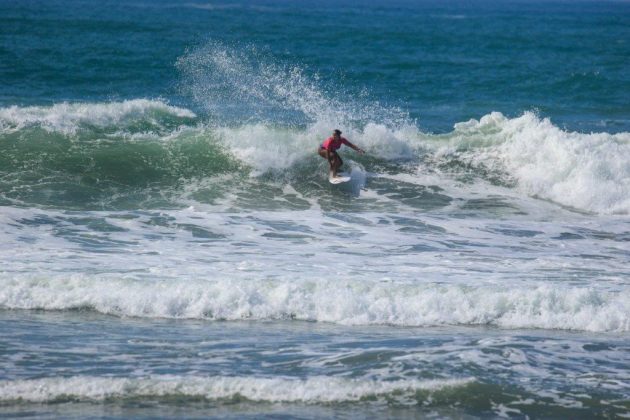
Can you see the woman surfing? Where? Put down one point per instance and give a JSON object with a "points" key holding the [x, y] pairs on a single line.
{"points": [[328, 150]]}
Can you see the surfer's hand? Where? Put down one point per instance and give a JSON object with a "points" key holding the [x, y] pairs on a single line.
{"points": [[360, 151]]}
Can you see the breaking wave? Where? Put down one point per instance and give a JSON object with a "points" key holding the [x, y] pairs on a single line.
{"points": [[259, 115], [312, 390], [585, 171], [143, 143], [344, 302]]}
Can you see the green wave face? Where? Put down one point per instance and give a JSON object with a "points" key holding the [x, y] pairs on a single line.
{"points": [[144, 154], [105, 167]]}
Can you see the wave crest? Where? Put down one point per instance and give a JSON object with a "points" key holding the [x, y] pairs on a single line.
{"points": [[68, 118], [342, 302], [312, 390], [150, 141], [586, 171]]}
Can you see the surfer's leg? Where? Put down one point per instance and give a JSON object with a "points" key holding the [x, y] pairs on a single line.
{"points": [[333, 165], [336, 163], [330, 158]]}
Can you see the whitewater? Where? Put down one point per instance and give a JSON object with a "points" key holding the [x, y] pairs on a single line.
{"points": [[481, 227]]}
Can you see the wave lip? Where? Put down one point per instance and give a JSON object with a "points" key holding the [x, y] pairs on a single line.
{"points": [[585, 171], [68, 118], [312, 390], [342, 302]]}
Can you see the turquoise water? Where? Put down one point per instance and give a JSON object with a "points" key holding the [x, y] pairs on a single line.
{"points": [[172, 246], [441, 63]]}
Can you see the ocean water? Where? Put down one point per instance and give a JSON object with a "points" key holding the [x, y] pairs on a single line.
{"points": [[171, 245]]}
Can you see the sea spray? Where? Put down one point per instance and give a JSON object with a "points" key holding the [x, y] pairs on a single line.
{"points": [[586, 171], [242, 83]]}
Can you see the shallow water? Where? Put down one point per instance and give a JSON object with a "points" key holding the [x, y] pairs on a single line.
{"points": [[80, 363]]}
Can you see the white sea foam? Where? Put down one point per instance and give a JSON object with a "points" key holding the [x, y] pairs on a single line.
{"points": [[586, 171], [589, 172], [312, 390], [345, 302], [355, 269], [67, 118], [264, 148]]}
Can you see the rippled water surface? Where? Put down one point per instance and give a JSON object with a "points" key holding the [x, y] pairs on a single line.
{"points": [[171, 245]]}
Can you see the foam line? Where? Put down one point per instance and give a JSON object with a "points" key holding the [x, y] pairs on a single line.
{"points": [[312, 390], [343, 302], [67, 118]]}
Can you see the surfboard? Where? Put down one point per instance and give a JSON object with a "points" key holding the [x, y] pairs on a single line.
{"points": [[340, 178]]}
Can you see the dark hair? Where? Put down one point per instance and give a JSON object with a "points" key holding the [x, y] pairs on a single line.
{"points": [[337, 131]]}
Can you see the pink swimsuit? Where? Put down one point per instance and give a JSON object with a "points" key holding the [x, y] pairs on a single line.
{"points": [[331, 144]]}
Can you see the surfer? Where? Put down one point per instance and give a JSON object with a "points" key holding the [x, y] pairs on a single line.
{"points": [[328, 150]]}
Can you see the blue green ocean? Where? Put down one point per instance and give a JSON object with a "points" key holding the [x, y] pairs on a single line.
{"points": [[171, 245]]}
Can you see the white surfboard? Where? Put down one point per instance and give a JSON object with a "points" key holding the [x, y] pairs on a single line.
{"points": [[340, 178]]}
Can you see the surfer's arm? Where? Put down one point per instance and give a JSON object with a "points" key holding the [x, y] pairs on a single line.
{"points": [[352, 146]]}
